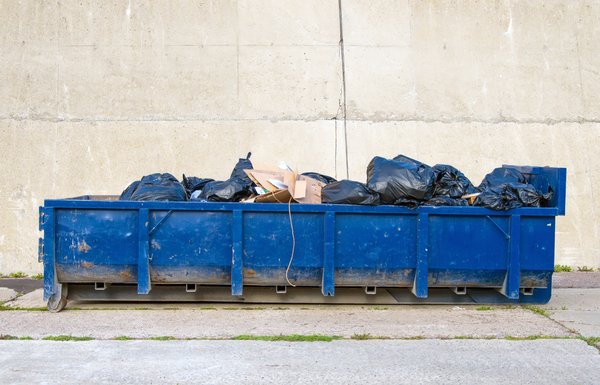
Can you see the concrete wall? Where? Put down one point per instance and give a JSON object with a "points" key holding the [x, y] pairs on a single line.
{"points": [[95, 94]]}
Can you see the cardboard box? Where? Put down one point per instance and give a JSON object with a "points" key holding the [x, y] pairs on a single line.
{"points": [[300, 188]]}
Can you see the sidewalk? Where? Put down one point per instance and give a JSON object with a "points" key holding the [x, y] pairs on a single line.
{"points": [[174, 342]]}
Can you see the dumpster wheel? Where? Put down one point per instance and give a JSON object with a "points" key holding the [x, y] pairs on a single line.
{"points": [[57, 301]]}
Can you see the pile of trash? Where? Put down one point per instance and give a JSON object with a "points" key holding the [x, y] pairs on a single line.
{"points": [[401, 181]]}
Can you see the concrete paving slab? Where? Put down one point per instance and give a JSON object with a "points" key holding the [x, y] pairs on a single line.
{"points": [[576, 309], [259, 362], [228, 322], [29, 300], [574, 299], [7, 294], [576, 279], [586, 323]]}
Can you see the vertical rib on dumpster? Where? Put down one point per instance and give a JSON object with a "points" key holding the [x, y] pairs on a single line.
{"points": [[143, 273], [328, 283], [237, 263], [512, 280], [420, 285], [49, 227]]}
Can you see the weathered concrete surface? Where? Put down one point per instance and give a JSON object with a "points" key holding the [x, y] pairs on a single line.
{"points": [[21, 285], [472, 60], [338, 362], [88, 91], [576, 279], [29, 300], [231, 321], [7, 294], [577, 309]]}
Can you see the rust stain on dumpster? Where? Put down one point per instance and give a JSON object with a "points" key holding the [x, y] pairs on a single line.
{"points": [[126, 274], [83, 247]]}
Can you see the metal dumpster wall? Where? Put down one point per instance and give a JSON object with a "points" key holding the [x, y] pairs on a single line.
{"points": [[238, 244]]}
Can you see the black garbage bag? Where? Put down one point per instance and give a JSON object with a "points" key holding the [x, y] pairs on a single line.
{"points": [[126, 194], [450, 182], [446, 201], [511, 196], [320, 177], [238, 170], [155, 187], [348, 192], [231, 190], [406, 159], [400, 179], [502, 175], [192, 183], [408, 202], [234, 189]]}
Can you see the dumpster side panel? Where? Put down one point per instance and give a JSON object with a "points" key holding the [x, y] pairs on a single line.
{"points": [[375, 249], [468, 250], [190, 246], [269, 246], [96, 245], [537, 251]]}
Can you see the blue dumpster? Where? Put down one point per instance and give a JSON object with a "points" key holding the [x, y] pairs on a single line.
{"points": [[100, 248]]}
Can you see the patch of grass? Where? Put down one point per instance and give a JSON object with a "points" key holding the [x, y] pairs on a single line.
{"points": [[244, 308], [563, 308], [562, 268], [8, 338], [66, 338], [38, 276], [535, 337], [288, 338], [3, 307], [484, 308], [123, 338], [592, 341], [585, 269], [18, 274], [208, 308], [536, 310], [162, 338], [379, 307], [365, 336]]}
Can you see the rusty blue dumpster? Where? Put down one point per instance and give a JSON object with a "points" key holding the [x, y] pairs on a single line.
{"points": [[101, 249]]}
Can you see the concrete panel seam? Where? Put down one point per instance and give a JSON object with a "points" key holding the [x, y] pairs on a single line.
{"points": [[344, 114], [420, 119]]}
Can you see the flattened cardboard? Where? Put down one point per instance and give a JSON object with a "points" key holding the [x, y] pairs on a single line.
{"points": [[313, 190], [301, 189], [279, 196]]}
